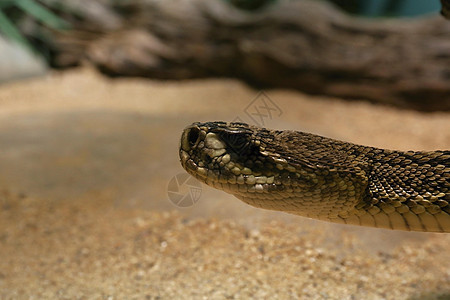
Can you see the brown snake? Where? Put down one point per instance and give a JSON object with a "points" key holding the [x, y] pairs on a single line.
{"points": [[322, 178]]}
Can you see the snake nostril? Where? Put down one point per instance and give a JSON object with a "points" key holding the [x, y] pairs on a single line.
{"points": [[193, 136]]}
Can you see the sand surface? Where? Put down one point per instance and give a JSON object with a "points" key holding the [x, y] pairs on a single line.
{"points": [[85, 165]]}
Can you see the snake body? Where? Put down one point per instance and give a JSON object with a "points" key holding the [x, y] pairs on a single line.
{"points": [[322, 178]]}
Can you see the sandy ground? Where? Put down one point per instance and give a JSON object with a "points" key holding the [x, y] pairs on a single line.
{"points": [[85, 164]]}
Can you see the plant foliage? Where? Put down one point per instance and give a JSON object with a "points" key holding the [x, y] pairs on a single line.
{"points": [[11, 11]]}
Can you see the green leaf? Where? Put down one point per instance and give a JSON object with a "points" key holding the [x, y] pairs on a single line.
{"points": [[11, 31], [42, 14], [6, 3]]}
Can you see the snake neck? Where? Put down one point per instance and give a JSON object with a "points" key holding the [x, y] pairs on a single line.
{"points": [[411, 188]]}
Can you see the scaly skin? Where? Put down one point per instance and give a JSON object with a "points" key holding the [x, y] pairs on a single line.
{"points": [[317, 177]]}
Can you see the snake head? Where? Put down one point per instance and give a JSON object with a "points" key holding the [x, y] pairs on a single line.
{"points": [[280, 170], [246, 161]]}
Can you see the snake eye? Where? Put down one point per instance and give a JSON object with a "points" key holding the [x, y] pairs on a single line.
{"points": [[193, 136], [237, 141]]}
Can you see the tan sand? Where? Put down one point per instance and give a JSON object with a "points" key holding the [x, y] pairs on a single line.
{"points": [[93, 158]]}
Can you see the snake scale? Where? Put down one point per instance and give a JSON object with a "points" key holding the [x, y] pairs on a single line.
{"points": [[322, 178]]}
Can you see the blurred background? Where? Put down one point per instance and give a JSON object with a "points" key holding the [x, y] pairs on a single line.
{"points": [[94, 96]]}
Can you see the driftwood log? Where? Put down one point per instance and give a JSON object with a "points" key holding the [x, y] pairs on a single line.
{"points": [[306, 45]]}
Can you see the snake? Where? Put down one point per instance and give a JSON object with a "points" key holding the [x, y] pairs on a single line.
{"points": [[321, 178]]}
